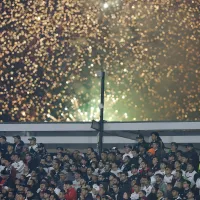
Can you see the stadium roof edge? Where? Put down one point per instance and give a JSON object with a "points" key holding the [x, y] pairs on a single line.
{"points": [[108, 126]]}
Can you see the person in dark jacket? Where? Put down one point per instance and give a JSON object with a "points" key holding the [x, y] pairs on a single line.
{"points": [[141, 141], [18, 144], [125, 185], [153, 194], [156, 138], [126, 164], [10, 150], [8, 179], [3, 144], [160, 195], [193, 156], [85, 195], [116, 194], [126, 196], [30, 195]]}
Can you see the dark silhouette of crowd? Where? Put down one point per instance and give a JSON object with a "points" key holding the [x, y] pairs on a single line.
{"points": [[143, 171]]}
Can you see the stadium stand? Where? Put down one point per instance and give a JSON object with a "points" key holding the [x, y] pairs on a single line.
{"points": [[141, 170]]}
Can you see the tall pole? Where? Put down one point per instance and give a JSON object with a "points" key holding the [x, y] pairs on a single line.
{"points": [[101, 106]]}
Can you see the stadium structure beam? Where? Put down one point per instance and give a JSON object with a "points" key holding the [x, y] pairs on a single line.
{"points": [[108, 126]]}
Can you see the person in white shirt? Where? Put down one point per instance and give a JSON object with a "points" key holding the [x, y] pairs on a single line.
{"points": [[128, 152], [18, 165], [161, 171], [177, 166], [168, 178], [2, 165], [114, 169], [135, 194], [147, 187], [76, 182], [189, 175]]}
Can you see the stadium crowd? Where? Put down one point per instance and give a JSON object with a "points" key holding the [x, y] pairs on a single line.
{"points": [[144, 171]]}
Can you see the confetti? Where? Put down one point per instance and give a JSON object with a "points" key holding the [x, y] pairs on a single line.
{"points": [[50, 51]]}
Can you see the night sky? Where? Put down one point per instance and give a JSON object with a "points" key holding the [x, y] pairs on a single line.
{"points": [[50, 51]]}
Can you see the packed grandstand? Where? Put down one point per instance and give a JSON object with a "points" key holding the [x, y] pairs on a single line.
{"points": [[144, 170]]}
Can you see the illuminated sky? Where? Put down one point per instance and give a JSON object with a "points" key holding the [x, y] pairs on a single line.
{"points": [[51, 49]]}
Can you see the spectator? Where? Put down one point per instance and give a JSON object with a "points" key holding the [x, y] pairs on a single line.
{"points": [[190, 173], [160, 195], [155, 138], [142, 151], [102, 193], [184, 160], [94, 179], [191, 196], [62, 179], [70, 192], [168, 178], [151, 152], [159, 152], [18, 164], [128, 152], [61, 195], [155, 165], [106, 172], [174, 148], [116, 193], [10, 150], [162, 169], [186, 189], [31, 196], [18, 144], [11, 195], [175, 193], [126, 164], [144, 168], [135, 158], [76, 182], [114, 169], [125, 185], [126, 196], [193, 156], [47, 195], [160, 184], [177, 166], [141, 141], [42, 150], [33, 148], [171, 160], [135, 194], [114, 150], [31, 162], [104, 156], [3, 144], [142, 195], [178, 177], [85, 195], [9, 168], [111, 157], [133, 174], [169, 190], [2, 166], [147, 185], [7, 180]]}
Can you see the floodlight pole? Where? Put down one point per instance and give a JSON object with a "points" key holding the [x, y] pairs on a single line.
{"points": [[101, 107]]}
